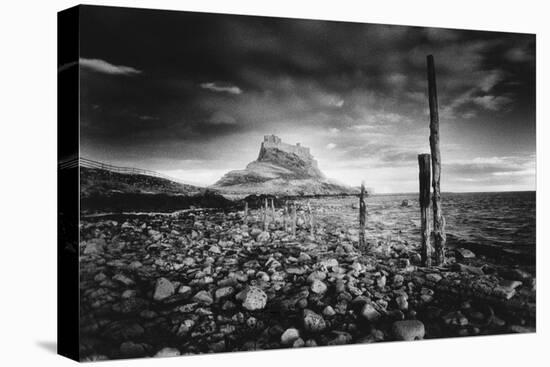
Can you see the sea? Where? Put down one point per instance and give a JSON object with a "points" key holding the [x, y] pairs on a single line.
{"points": [[489, 222]]}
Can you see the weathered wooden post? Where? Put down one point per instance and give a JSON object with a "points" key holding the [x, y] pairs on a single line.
{"points": [[246, 213], [285, 213], [265, 215], [362, 216], [273, 210], [311, 222], [424, 177], [293, 219], [439, 221]]}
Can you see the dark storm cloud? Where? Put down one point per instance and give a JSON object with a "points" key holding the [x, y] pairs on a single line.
{"points": [[155, 81]]}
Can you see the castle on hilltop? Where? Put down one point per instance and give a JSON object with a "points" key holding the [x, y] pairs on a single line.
{"points": [[273, 141]]}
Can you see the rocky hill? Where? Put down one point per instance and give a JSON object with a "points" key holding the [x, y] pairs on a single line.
{"points": [[281, 169]]}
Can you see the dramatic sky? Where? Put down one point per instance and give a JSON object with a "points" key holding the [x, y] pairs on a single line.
{"points": [[191, 95]]}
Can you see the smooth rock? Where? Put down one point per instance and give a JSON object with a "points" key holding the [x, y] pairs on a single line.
{"points": [[167, 352], [203, 297], [290, 336], [408, 330], [163, 289], [318, 287], [464, 253], [370, 313], [224, 292]]}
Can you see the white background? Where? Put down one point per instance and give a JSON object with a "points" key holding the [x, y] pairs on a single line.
{"points": [[28, 181]]}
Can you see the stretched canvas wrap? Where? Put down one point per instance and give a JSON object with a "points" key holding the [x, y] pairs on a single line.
{"points": [[240, 183]]}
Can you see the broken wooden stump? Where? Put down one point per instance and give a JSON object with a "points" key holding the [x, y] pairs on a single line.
{"points": [[424, 177]]}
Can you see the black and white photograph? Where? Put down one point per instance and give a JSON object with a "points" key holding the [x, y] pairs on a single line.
{"points": [[250, 183]]}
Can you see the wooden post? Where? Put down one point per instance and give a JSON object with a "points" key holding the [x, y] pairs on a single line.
{"points": [[439, 221], [246, 213], [293, 219], [285, 213], [362, 216], [424, 177], [311, 224], [265, 215], [273, 210]]}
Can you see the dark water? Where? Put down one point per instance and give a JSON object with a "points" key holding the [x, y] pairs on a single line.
{"points": [[499, 220]]}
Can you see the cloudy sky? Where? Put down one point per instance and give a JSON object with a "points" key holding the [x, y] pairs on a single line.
{"points": [[191, 95]]}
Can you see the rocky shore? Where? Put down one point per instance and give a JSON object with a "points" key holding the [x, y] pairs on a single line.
{"points": [[202, 281]]}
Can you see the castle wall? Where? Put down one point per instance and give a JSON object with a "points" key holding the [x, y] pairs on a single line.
{"points": [[272, 141]]}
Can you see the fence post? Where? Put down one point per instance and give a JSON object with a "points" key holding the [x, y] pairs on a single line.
{"points": [[246, 213], [362, 216], [293, 219], [439, 221], [311, 221], [273, 211], [424, 201], [265, 215]]}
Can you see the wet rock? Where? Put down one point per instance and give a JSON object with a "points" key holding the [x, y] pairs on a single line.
{"points": [[253, 298], [203, 297], [329, 311], [167, 352], [398, 280], [341, 338], [311, 343], [433, 277], [123, 279], [263, 237], [185, 327], [129, 293], [329, 263], [214, 249], [521, 329], [131, 349], [316, 275], [185, 290], [455, 318], [163, 289], [95, 246], [224, 292], [408, 330], [370, 313], [402, 303], [290, 336], [381, 282], [405, 203], [313, 322], [464, 253], [318, 287]]}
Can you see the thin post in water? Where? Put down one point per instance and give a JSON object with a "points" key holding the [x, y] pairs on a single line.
{"points": [[439, 220], [424, 177], [362, 216], [293, 220], [246, 213]]}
